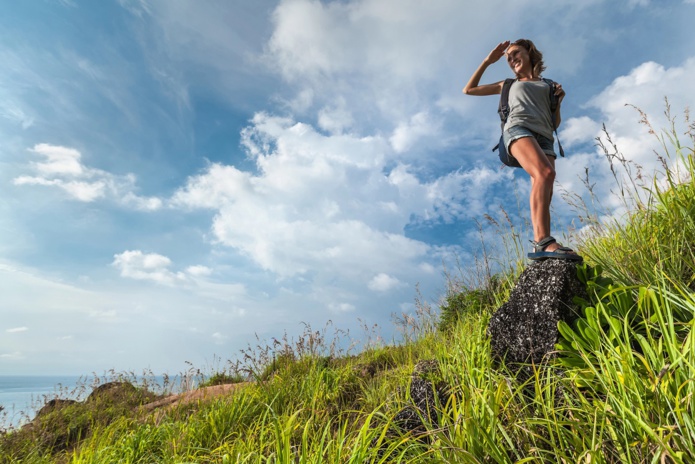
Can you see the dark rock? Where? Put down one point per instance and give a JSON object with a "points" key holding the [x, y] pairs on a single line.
{"points": [[53, 405], [426, 396], [409, 419], [426, 399], [113, 392], [524, 329]]}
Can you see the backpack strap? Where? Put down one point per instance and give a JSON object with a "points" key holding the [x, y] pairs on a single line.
{"points": [[503, 107], [553, 108]]}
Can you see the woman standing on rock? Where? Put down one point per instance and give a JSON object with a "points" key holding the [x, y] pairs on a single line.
{"points": [[528, 133]]}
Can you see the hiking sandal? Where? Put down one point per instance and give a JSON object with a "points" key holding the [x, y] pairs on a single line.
{"points": [[562, 252]]}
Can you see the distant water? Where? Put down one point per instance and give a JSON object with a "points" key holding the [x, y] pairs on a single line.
{"points": [[22, 396]]}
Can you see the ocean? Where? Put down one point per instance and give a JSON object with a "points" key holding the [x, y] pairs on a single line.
{"points": [[21, 396]]}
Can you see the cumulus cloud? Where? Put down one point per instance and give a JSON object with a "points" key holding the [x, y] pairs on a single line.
{"points": [[59, 160], [199, 271], [579, 130], [394, 37], [341, 307], [390, 60], [408, 133], [335, 118], [147, 266], [383, 283], [645, 87], [643, 90], [622, 107], [153, 267], [62, 168], [319, 202]]}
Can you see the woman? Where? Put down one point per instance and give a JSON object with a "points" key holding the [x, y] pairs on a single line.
{"points": [[528, 133]]}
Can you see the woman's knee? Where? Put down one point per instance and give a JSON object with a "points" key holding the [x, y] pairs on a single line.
{"points": [[547, 173], [542, 173]]}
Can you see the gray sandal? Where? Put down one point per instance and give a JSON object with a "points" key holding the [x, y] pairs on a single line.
{"points": [[562, 252]]}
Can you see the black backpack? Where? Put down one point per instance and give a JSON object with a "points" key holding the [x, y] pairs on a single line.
{"points": [[503, 111]]}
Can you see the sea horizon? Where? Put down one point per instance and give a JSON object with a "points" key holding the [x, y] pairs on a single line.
{"points": [[22, 396]]}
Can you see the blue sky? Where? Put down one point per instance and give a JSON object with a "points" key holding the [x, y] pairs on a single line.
{"points": [[177, 177]]}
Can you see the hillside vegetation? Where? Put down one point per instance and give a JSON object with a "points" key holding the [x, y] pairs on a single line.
{"points": [[620, 390]]}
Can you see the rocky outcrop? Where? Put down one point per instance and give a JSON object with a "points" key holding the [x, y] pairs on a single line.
{"points": [[427, 393], [115, 392], [524, 329], [53, 405]]}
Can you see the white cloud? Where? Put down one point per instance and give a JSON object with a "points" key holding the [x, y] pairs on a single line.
{"points": [[63, 169], [388, 59], [327, 202], [151, 266], [579, 130], [408, 133], [82, 191], [17, 329], [427, 268], [383, 283], [398, 37], [60, 160], [643, 89], [341, 307], [197, 271], [335, 118]]}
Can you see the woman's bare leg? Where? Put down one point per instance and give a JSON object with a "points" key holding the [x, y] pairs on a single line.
{"points": [[541, 168]]}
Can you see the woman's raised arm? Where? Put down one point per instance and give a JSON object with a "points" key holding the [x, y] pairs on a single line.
{"points": [[473, 86]]}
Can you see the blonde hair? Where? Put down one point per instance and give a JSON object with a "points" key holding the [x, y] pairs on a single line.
{"points": [[534, 54]]}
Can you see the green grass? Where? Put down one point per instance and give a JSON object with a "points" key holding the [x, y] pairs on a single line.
{"points": [[621, 390]]}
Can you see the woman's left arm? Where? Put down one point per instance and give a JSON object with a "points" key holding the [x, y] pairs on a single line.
{"points": [[560, 93]]}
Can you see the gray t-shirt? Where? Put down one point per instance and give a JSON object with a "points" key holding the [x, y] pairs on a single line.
{"points": [[529, 106]]}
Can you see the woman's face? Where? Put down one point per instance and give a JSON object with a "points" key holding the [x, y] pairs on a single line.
{"points": [[518, 58]]}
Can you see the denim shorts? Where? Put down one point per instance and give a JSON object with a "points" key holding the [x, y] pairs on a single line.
{"points": [[519, 132]]}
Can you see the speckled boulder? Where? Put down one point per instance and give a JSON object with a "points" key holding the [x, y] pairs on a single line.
{"points": [[524, 329], [425, 397]]}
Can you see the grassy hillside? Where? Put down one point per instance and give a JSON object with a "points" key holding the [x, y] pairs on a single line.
{"points": [[621, 389]]}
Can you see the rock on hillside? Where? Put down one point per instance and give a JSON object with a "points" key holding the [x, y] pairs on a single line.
{"points": [[524, 329]]}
